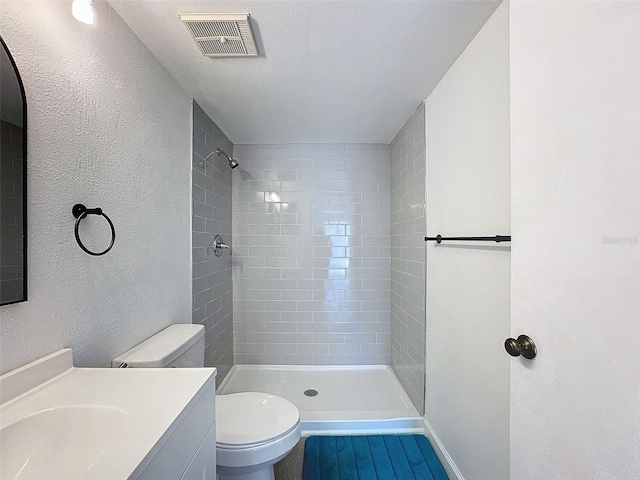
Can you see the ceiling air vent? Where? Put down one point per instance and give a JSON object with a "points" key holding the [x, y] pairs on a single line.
{"points": [[222, 34]]}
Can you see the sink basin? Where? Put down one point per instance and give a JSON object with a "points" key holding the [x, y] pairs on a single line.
{"points": [[61, 442], [60, 422]]}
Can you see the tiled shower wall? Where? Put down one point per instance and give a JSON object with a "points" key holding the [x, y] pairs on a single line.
{"points": [[311, 254], [408, 338], [212, 276]]}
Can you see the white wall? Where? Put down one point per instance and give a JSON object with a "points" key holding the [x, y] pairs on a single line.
{"points": [[108, 127], [575, 97], [311, 254], [468, 284], [408, 163]]}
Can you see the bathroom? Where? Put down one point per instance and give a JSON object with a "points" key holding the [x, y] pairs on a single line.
{"points": [[546, 153]]}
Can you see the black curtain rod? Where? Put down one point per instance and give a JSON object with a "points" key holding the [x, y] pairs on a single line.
{"points": [[497, 239]]}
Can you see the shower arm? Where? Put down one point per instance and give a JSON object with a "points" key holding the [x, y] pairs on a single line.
{"points": [[232, 163], [220, 152]]}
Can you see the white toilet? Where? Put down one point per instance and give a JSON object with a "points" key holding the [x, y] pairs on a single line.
{"points": [[253, 430]]}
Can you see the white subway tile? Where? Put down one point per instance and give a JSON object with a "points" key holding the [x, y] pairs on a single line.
{"points": [[314, 327], [296, 317], [280, 348], [303, 256]]}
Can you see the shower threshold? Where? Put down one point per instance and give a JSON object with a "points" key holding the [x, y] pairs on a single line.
{"points": [[333, 400]]}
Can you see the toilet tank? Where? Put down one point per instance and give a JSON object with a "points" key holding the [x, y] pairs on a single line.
{"points": [[179, 345]]}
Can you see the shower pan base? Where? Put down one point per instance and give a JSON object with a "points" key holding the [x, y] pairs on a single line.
{"points": [[350, 400]]}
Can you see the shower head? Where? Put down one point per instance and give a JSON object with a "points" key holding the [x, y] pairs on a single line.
{"points": [[232, 163]]}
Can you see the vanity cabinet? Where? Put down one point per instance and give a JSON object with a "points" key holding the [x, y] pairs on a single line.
{"points": [[189, 452], [203, 463], [61, 422]]}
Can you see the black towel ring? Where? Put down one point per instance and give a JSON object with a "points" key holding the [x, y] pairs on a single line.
{"points": [[80, 211]]}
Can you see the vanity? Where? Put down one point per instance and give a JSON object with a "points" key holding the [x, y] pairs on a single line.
{"points": [[62, 422]]}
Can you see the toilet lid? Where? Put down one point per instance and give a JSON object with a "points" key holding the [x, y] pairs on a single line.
{"points": [[251, 417]]}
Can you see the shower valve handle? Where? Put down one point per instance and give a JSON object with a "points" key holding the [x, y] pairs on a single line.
{"points": [[217, 245]]}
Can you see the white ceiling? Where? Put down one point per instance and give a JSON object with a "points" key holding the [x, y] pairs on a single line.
{"points": [[328, 71]]}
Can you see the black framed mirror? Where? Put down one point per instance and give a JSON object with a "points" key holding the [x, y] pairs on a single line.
{"points": [[13, 182]]}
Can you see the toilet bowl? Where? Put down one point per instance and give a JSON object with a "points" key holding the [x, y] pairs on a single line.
{"points": [[253, 431]]}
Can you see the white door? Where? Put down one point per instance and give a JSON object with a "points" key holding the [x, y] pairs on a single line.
{"points": [[575, 140]]}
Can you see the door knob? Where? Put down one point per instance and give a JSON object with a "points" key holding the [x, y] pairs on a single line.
{"points": [[522, 346]]}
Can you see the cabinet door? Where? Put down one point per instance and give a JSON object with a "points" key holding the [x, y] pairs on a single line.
{"points": [[203, 463]]}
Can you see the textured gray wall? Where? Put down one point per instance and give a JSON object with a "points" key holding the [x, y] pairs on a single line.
{"points": [[108, 130], [212, 279]]}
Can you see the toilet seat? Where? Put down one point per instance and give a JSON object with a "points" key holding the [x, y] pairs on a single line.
{"points": [[265, 454], [251, 419]]}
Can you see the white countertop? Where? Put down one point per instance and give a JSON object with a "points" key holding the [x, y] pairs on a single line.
{"points": [[145, 407]]}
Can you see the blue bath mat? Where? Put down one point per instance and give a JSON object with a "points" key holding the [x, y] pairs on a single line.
{"points": [[375, 457]]}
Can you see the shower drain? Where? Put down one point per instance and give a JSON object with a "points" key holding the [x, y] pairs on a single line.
{"points": [[312, 392]]}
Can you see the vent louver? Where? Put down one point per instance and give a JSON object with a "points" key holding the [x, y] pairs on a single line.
{"points": [[222, 34]]}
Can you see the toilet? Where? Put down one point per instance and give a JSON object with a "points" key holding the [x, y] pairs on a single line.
{"points": [[254, 430]]}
